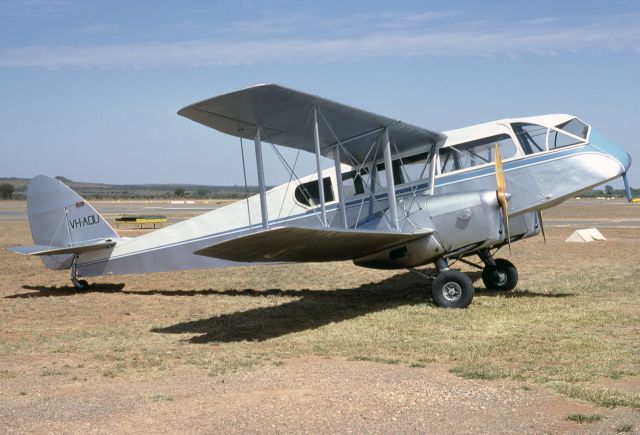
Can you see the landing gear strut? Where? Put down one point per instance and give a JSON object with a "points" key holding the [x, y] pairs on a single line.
{"points": [[498, 274], [78, 284]]}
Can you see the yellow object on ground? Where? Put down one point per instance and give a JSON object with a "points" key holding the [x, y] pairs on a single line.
{"points": [[141, 220]]}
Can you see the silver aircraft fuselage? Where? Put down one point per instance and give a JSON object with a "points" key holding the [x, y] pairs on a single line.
{"points": [[534, 181]]}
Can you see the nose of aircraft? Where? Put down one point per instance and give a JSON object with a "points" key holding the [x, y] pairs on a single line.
{"points": [[605, 145]]}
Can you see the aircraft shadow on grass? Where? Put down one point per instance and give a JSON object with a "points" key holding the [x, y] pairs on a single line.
{"points": [[41, 291], [312, 309]]}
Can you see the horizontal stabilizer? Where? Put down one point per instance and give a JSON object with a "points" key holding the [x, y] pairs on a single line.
{"points": [[295, 244], [40, 250]]}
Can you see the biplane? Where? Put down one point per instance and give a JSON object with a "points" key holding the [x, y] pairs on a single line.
{"points": [[398, 196]]}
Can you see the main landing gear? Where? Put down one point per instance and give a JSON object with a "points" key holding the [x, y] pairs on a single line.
{"points": [[498, 274], [450, 288], [454, 289]]}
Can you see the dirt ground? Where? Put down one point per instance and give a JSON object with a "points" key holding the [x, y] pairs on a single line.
{"points": [[307, 395], [327, 348]]}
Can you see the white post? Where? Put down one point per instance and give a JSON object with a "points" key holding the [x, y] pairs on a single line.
{"points": [[336, 161], [316, 139], [263, 190], [391, 188]]}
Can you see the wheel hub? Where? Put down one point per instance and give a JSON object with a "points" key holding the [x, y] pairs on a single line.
{"points": [[500, 277], [452, 291]]}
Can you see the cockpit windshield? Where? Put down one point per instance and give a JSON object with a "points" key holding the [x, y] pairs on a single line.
{"points": [[536, 138], [575, 127]]}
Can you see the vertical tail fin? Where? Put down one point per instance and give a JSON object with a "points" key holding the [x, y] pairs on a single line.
{"points": [[59, 217]]}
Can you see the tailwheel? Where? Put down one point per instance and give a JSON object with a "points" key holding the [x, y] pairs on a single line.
{"points": [[80, 284], [452, 289], [501, 276]]}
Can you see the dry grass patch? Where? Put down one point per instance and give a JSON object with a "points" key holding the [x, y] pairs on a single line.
{"points": [[582, 418], [624, 428], [604, 397]]}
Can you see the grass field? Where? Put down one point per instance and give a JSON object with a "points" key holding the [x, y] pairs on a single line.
{"points": [[572, 326]]}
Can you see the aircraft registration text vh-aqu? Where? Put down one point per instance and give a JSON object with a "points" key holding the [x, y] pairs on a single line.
{"points": [[398, 197]]}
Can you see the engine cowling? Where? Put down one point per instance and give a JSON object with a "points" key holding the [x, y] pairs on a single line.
{"points": [[459, 220]]}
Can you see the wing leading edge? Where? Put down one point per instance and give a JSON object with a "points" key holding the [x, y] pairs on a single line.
{"points": [[284, 116], [296, 244]]}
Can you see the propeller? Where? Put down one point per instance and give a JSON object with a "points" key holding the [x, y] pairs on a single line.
{"points": [[501, 193]]}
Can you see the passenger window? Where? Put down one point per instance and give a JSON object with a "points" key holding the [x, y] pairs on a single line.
{"points": [[476, 153], [308, 193], [414, 168], [356, 178]]}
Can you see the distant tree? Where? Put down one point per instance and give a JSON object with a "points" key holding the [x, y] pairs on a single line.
{"points": [[179, 191], [6, 191], [202, 193], [608, 189]]}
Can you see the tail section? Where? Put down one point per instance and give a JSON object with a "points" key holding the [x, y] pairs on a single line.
{"points": [[60, 218]]}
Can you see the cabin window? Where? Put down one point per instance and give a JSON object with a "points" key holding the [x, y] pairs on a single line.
{"points": [[355, 178], [381, 175], [476, 153], [532, 137], [414, 168], [308, 193]]}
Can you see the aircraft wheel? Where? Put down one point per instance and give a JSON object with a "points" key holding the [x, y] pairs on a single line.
{"points": [[502, 277], [452, 289], [81, 284]]}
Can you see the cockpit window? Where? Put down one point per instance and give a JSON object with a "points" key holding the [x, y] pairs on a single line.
{"points": [[575, 127], [535, 138], [557, 139], [532, 137]]}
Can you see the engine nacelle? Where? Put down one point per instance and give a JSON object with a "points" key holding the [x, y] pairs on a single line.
{"points": [[459, 220]]}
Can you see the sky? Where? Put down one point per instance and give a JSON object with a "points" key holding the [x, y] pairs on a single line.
{"points": [[90, 89]]}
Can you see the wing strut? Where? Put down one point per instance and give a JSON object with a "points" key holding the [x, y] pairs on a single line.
{"points": [[391, 188], [263, 190], [336, 161], [316, 139]]}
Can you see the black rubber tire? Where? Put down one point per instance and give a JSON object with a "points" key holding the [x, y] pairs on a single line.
{"points": [[452, 289], [501, 277], [83, 285]]}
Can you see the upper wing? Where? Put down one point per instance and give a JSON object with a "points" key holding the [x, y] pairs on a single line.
{"points": [[306, 245], [284, 116]]}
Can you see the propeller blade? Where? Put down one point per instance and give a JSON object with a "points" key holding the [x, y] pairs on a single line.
{"points": [[501, 193], [544, 236]]}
